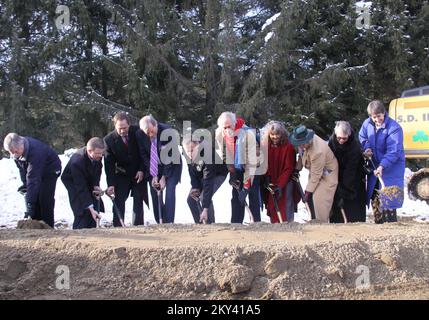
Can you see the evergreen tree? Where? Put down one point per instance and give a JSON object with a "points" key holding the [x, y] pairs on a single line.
{"points": [[295, 61]]}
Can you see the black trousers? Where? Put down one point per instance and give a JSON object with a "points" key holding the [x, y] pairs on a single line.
{"points": [[84, 221], [44, 208], [237, 209], [123, 187], [168, 208], [193, 206]]}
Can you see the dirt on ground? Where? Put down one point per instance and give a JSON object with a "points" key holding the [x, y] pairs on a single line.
{"points": [[220, 261]]}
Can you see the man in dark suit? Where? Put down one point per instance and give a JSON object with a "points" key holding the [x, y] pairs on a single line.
{"points": [[81, 178], [39, 168], [125, 169], [207, 175], [158, 144]]}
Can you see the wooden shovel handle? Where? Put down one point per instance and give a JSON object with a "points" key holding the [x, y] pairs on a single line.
{"points": [[344, 215], [383, 185]]}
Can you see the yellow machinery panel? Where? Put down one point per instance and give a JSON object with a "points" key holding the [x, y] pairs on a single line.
{"points": [[413, 115]]}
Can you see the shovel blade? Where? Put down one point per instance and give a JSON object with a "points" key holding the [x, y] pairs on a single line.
{"points": [[391, 198]]}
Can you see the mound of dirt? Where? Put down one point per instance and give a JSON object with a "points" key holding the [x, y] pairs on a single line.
{"points": [[32, 224], [260, 261]]}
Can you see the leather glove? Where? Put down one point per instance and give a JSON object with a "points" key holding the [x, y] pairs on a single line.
{"points": [[242, 196], [368, 153], [235, 183], [22, 189], [367, 167], [295, 175], [277, 192], [307, 196], [195, 194]]}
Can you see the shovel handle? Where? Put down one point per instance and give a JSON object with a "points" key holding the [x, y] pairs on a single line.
{"points": [[158, 191], [344, 215], [276, 206], [308, 211], [250, 213], [381, 182], [378, 176], [279, 215]]}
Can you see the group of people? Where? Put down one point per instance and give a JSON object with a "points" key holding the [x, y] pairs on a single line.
{"points": [[263, 168]]}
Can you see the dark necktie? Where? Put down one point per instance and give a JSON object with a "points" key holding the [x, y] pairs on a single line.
{"points": [[125, 139]]}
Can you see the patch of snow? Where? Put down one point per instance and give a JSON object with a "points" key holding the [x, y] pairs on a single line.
{"points": [[271, 20], [269, 36], [363, 4]]}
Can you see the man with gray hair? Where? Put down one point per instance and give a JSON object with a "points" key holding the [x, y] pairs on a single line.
{"points": [[161, 173], [39, 167], [236, 145], [207, 175]]}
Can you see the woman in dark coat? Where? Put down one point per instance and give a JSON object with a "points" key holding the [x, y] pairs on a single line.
{"points": [[350, 194]]}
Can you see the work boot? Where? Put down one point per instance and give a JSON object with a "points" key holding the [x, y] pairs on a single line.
{"points": [[391, 216]]}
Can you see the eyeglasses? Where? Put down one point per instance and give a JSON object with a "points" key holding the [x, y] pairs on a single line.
{"points": [[342, 138]]}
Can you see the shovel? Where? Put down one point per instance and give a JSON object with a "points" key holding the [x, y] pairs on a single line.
{"points": [[121, 221], [200, 210], [97, 194], [301, 192], [390, 197], [276, 205], [159, 193], [245, 205], [343, 212], [249, 212], [98, 212]]}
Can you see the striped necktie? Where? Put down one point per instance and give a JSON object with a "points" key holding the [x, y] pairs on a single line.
{"points": [[153, 158]]}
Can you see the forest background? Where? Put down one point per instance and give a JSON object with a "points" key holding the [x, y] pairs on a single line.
{"points": [[67, 66]]}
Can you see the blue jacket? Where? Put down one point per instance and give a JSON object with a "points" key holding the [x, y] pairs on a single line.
{"points": [[387, 144], [37, 162]]}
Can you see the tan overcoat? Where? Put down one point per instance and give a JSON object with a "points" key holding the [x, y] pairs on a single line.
{"points": [[323, 176]]}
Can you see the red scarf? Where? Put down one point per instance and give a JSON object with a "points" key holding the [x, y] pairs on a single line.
{"points": [[231, 140]]}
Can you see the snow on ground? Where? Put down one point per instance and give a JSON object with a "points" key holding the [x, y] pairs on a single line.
{"points": [[12, 204]]}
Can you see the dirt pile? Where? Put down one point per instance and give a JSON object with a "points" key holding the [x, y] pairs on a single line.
{"points": [[260, 261], [32, 224]]}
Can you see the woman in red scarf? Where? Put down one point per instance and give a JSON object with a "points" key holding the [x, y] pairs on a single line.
{"points": [[281, 163]]}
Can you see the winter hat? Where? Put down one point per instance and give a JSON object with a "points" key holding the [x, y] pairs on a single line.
{"points": [[301, 135]]}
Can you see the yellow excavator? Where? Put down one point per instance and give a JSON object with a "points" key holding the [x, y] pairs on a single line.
{"points": [[411, 111]]}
